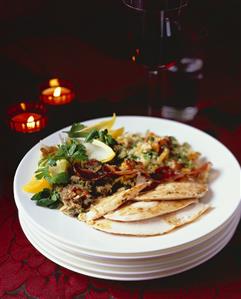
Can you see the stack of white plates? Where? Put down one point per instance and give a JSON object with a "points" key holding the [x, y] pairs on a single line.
{"points": [[76, 246]]}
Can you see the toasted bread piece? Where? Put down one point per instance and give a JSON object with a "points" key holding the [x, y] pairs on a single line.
{"points": [[110, 203], [141, 210], [153, 226], [174, 191]]}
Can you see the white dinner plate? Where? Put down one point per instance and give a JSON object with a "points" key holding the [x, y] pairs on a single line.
{"points": [[130, 260], [224, 196], [147, 266], [126, 276], [140, 262]]}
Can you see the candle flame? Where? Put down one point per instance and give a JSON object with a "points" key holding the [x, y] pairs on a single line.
{"points": [[133, 58], [30, 122], [53, 82], [23, 106], [57, 92]]}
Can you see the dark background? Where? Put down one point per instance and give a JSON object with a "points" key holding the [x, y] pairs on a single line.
{"points": [[89, 43]]}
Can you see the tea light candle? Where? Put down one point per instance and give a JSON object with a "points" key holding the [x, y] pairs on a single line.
{"points": [[27, 117], [57, 92]]}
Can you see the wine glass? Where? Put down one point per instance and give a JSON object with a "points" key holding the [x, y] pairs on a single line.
{"points": [[172, 77]]}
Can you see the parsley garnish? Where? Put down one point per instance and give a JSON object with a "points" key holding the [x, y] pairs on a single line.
{"points": [[106, 138], [90, 134], [101, 135], [93, 134], [72, 151], [60, 178], [149, 155], [75, 130], [47, 198]]}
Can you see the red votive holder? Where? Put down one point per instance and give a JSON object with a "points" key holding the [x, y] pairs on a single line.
{"points": [[57, 92], [26, 117]]}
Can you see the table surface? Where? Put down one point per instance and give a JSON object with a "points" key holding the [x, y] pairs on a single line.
{"points": [[24, 272]]}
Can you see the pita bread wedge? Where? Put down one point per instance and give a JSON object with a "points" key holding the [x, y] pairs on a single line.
{"points": [[174, 191], [153, 226], [141, 210], [110, 203]]}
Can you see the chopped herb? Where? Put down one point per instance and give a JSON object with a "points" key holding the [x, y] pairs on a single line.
{"points": [[174, 142], [106, 138], [60, 178], [183, 159], [72, 151], [42, 172], [180, 152], [51, 162], [47, 198], [134, 157], [75, 130], [93, 134], [101, 135], [149, 155]]}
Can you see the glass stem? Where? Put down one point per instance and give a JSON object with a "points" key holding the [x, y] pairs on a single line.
{"points": [[152, 90]]}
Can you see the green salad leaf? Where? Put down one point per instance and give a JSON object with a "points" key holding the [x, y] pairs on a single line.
{"points": [[90, 134], [75, 129], [47, 198], [71, 151], [60, 178]]}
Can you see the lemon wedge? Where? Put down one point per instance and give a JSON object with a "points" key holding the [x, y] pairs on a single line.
{"points": [[118, 132], [99, 151], [35, 186], [105, 124]]}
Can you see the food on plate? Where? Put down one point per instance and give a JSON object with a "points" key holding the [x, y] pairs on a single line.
{"points": [[121, 182], [174, 191], [153, 226], [35, 185], [139, 210], [110, 203]]}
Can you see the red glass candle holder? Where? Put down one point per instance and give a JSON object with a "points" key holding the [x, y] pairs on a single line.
{"points": [[27, 117], [57, 92]]}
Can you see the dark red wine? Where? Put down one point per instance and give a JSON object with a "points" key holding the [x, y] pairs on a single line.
{"points": [[157, 40]]}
